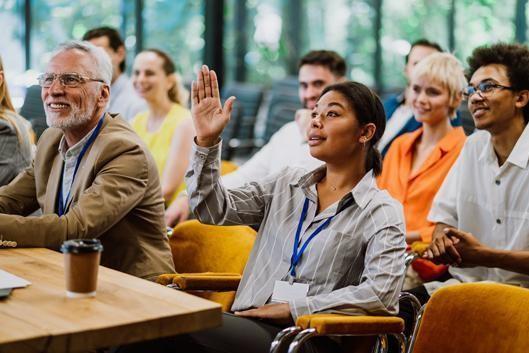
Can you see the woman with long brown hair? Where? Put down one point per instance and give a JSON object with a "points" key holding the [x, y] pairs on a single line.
{"points": [[166, 126], [15, 145]]}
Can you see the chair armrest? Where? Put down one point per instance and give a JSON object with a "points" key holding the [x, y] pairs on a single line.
{"points": [[337, 324], [201, 281]]}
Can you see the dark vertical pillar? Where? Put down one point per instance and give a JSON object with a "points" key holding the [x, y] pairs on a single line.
{"points": [[452, 26], [241, 19], [520, 21], [124, 18], [293, 24], [27, 33], [213, 36], [379, 84], [139, 25]]}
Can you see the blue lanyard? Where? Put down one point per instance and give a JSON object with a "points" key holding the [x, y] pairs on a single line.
{"points": [[91, 139], [297, 252]]}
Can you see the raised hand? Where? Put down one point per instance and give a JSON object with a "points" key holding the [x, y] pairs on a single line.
{"points": [[209, 116]]}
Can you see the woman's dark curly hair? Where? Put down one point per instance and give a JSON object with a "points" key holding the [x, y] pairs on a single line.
{"points": [[515, 57]]}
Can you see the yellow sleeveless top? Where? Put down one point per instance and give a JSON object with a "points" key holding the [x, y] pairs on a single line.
{"points": [[158, 142]]}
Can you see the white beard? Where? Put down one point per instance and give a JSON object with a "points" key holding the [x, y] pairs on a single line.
{"points": [[77, 118]]}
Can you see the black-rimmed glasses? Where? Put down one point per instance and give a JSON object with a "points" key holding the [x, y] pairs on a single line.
{"points": [[70, 79], [484, 89]]}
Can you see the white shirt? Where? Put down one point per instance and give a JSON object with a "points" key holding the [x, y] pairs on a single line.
{"points": [[124, 100], [287, 147], [398, 120], [489, 201]]}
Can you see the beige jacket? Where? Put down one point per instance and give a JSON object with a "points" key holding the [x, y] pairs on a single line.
{"points": [[116, 197]]}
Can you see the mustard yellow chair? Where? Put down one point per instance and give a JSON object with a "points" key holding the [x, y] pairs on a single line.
{"points": [[227, 167], [323, 324], [309, 326], [474, 318], [209, 260]]}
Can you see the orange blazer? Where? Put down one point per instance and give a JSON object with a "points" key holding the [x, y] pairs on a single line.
{"points": [[416, 191]]}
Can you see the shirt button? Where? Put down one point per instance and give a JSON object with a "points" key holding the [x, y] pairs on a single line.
{"points": [[498, 182], [498, 221]]}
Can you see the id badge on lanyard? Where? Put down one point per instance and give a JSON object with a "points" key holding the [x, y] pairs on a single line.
{"points": [[289, 290], [285, 291], [62, 202]]}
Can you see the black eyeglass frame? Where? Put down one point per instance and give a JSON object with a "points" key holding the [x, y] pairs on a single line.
{"points": [[483, 89]]}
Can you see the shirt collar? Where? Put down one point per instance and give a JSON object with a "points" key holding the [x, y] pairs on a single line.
{"points": [[519, 155], [66, 152], [446, 144], [487, 153], [408, 143], [362, 193], [451, 139]]}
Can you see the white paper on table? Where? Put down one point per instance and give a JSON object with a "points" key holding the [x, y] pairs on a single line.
{"points": [[8, 280]]}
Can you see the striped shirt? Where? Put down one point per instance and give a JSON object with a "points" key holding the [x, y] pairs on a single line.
{"points": [[354, 266]]}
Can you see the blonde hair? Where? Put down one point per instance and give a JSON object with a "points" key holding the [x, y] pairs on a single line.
{"points": [[7, 105], [445, 69], [5, 99]]}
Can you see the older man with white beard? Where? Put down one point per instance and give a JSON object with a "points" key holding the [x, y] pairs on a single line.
{"points": [[91, 176]]}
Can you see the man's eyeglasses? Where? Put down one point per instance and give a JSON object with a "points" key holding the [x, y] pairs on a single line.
{"points": [[72, 79], [483, 88]]}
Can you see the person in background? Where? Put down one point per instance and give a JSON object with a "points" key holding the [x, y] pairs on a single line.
{"points": [[15, 138], [288, 146], [399, 112], [123, 99], [417, 162], [166, 127]]}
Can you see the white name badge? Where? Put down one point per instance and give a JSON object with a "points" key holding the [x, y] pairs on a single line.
{"points": [[284, 291]]}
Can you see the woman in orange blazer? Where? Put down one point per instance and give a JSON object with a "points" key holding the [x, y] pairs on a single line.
{"points": [[417, 163]]}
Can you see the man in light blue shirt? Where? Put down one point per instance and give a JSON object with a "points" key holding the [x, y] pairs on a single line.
{"points": [[123, 98]]}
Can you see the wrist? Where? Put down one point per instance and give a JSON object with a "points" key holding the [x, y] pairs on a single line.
{"points": [[490, 257], [206, 141]]}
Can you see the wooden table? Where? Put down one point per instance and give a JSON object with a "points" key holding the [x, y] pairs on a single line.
{"points": [[126, 309]]}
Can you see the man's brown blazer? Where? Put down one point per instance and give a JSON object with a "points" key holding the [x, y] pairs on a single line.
{"points": [[116, 197]]}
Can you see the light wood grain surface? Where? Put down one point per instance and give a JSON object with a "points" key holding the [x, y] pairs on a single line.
{"points": [[126, 309]]}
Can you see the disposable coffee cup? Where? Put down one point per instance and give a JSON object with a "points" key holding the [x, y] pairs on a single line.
{"points": [[81, 264]]}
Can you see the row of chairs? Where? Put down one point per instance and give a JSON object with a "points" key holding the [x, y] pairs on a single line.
{"points": [[275, 107], [473, 318]]}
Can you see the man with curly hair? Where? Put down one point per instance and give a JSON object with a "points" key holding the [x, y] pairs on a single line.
{"points": [[482, 210]]}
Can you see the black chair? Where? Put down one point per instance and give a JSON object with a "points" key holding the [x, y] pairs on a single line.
{"points": [[283, 103], [239, 134], [33, 110]]}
